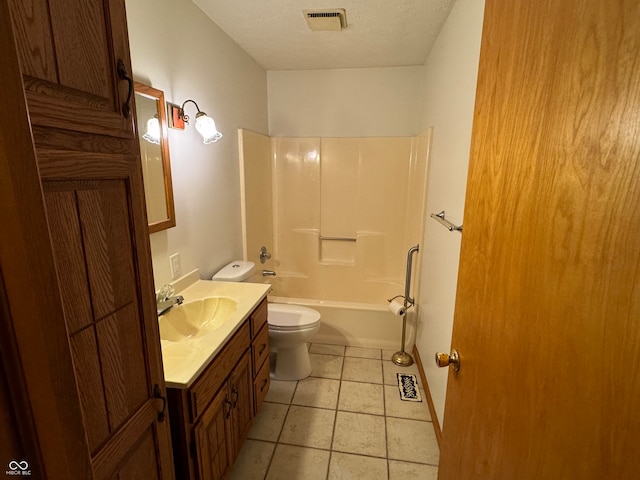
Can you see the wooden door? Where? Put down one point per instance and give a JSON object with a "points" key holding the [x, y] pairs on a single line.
{"points": [[91, 183], [43, 425], [241, 393], [214, 438], [547, 319]]}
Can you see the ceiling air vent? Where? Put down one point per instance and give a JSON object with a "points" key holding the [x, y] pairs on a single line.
{"points": [[331, 20]]}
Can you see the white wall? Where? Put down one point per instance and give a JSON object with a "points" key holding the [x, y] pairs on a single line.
{"points": [[359, 102], [449, 87], [175, 47]]}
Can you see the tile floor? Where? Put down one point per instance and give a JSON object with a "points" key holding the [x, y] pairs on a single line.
{"points": [[346, 421]]}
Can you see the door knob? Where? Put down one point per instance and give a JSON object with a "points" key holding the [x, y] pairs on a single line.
{"points": [[444, 360]]}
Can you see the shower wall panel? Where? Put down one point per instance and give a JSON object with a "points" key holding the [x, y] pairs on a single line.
{"points": [[341, 208], [337, 214], [256, 179]]}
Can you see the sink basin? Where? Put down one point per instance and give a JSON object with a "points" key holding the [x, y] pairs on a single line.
{"points": [[195, 319]]}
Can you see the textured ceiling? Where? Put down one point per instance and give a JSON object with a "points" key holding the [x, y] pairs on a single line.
{"points": [[379, 33]]}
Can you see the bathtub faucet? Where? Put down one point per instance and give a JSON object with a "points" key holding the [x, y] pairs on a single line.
{"points": [[268, 273]]}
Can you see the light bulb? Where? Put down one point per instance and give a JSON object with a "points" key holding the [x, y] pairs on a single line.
{"points": [[207, 128], [152, 135]]}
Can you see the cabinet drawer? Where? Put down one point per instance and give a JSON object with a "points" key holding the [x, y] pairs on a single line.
{"points": [[261, 386], [258, 318], [260, 349], [214, 376]]}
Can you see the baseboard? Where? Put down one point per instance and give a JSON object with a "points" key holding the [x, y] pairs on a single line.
{"points": [[427, 393]]}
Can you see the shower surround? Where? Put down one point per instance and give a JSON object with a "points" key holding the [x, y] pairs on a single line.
{"points": [[337, 215]]}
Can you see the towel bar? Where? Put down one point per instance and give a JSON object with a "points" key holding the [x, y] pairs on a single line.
{"points": [[344, 239], [450, 226]]}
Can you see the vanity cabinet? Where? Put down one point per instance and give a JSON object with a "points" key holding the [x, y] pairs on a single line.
{"points": [[225, 424], [260, 355], [211, 418]]}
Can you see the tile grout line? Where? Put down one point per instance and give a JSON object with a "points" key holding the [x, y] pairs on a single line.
{"points": [[266, 473], [384, 409], [335, 415]]}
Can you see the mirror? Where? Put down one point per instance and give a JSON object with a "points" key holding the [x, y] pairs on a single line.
{"points": [[154, 153]]}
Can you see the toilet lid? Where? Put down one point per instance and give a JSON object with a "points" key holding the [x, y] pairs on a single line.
{"points": [[291, 317]]}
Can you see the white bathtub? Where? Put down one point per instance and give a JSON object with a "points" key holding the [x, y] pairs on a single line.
{"points": [[354, 324]]}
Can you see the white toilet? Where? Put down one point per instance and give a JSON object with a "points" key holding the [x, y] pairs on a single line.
{"points": [[290, 327]]}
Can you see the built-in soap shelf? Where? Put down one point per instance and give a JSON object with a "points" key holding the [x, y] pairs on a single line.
{"points": [[337, 250]]}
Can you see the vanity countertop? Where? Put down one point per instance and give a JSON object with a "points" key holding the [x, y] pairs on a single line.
{"points": [[183, 361]]}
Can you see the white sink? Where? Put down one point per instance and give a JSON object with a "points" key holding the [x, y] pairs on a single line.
{"points": [[196, 319]]}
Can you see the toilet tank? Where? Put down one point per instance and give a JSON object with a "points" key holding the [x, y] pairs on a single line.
{"points": [[236, 271]]}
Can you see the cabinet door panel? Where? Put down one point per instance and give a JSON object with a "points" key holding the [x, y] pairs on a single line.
{"points": [[260, 349], [261, 386], [212, 437], [241, 391]]}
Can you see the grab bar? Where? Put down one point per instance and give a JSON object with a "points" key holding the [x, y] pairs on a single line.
{"points": [[440, 218], [408, 301], [402, 358]]}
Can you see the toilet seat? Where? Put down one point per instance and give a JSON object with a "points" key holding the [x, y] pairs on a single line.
{"points": [[283, 317]]}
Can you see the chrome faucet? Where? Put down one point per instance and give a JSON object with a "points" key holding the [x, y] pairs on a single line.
{"points": [[165, 300], [268, 273]]}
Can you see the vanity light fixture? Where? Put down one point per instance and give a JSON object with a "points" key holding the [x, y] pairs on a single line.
{"points": [[152, 135], [204, 124]]}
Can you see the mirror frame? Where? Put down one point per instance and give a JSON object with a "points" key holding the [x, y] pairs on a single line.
{"points": [[158, 96]]}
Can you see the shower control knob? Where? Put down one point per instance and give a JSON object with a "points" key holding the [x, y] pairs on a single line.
{"points": [[264, 255], [446, 360]]}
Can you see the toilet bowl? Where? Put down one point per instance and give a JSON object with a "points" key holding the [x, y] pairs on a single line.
{"points": [[290, 327]]}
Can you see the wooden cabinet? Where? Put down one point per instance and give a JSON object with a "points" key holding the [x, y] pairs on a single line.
{"points": [[240, 385], [73, 57], [211, 419], [211, 438], [260, 355], [224, 425]]}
